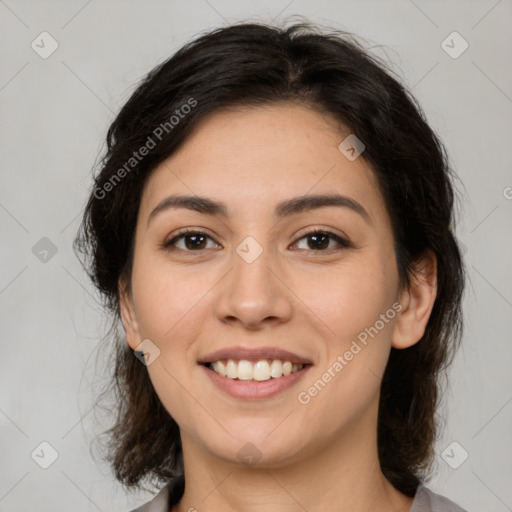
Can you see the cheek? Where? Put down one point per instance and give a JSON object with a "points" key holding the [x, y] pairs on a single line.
{"points": [[165, 298], [349, 298], [353, 307], [169, 308]]}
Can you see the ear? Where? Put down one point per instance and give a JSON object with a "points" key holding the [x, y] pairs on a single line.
{"points": [[417, 302], [128, 316]]}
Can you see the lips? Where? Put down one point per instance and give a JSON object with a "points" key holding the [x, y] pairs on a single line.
{"points": [[253, 365], [254, 389]]}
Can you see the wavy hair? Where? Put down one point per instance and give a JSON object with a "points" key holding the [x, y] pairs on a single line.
{"points": [[250, 64]]}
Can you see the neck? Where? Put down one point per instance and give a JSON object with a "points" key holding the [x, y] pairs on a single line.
{"points": [[344, 476]]}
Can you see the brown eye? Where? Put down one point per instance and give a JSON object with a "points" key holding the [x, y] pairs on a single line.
{"points": [[319, 241], [193, 241]]}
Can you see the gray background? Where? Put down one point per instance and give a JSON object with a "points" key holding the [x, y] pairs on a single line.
{"points": [[54, 116]]}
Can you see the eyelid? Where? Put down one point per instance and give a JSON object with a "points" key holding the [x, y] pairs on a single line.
{"points": [[167, 244], [311, 230], [342, 241]]}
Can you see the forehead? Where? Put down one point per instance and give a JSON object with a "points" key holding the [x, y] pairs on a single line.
{"points": [[254, 157]]}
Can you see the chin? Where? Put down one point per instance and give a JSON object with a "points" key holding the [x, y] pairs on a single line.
{"points": [[257, 449]]}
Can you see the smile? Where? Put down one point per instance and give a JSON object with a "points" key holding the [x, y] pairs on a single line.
{"points": [[261, 370]]}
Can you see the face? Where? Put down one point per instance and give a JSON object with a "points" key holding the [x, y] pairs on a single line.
{"points": [[261, 277]]}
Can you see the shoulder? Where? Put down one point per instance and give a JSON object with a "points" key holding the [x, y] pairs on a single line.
{"points": [[425, 500], [168, 496], [160, 503], [428, 501]]}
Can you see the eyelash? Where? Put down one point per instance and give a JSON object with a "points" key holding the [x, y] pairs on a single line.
{"points": [[343, 243]]}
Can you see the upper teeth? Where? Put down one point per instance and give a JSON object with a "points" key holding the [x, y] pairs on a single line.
{"points": [[259, 370]]}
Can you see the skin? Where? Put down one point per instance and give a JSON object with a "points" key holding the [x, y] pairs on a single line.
{"points": [[314, 302]]}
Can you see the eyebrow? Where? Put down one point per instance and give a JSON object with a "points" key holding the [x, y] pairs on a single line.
{"points": [[286, 208]]}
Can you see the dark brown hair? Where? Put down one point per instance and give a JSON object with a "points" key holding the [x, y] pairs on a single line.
{"points": [[256, 64]]}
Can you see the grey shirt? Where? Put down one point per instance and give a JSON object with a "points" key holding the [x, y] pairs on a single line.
{"points": [[424, 501]]}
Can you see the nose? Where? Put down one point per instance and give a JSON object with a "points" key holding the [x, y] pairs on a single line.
{"points": [[254, 293]]}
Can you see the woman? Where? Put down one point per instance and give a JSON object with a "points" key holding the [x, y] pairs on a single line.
{"points": [[273, 225]]}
